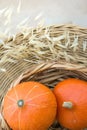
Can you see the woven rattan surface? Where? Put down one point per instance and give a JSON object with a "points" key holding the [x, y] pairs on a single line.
{"points": [[47, 55]]}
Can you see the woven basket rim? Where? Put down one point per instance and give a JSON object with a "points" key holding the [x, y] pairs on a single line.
{"points": [[42, 66], [34, 70]]}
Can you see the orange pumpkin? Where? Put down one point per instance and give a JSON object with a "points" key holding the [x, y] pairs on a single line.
{"points": [[29, 106], [71, 95]]}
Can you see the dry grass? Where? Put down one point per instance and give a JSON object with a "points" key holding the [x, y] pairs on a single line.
{"points": [[64, 43]]}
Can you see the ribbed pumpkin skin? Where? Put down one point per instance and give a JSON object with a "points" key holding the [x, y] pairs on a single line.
{"points": [[38, 111], [75, 91]]}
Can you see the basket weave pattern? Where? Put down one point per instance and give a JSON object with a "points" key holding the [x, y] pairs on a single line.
{"points": [[51, 66]]}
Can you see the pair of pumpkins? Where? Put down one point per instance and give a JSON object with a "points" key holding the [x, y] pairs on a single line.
{"points": [[33, 106]]}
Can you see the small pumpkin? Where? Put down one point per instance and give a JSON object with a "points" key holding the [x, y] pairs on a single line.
{"points": [[71, 95], [29, 106]]}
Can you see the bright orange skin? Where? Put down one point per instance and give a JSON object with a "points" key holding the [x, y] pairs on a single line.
{"points": [[38, 112], [73, 90]]}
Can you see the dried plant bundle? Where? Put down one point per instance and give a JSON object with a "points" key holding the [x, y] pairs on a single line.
{"points": [[47, 55]]}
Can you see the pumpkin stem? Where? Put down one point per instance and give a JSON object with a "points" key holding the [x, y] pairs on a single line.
{"points": [[20, 103], [67, 105]]}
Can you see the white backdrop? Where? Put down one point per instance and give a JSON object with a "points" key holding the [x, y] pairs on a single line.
{"points": [[49, 11]]}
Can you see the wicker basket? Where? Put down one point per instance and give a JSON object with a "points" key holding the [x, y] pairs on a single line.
{"points": [[64, 55]]}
